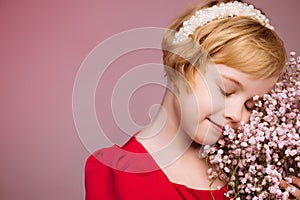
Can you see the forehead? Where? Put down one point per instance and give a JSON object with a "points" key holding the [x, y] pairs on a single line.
{"points": [[242, 80]]}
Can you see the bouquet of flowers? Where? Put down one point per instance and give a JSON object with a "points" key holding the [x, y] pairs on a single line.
{"points": [[254, 158]]}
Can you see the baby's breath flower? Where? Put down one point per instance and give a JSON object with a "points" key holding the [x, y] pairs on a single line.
{"points": [[256, 156]]}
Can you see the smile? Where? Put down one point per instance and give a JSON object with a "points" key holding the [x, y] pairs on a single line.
{"points": [[216, 126]]}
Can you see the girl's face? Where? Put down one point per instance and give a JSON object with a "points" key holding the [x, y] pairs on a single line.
{"points": [[223, 96]]}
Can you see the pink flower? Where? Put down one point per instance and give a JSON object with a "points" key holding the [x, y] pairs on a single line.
{"points": [[267, 149]]}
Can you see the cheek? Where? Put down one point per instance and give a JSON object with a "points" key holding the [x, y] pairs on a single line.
{"points": [[189, 109], [211, 98], [210, 103], [190, 113]]}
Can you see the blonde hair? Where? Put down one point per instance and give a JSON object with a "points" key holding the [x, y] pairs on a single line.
{"points": [[238, 42]]}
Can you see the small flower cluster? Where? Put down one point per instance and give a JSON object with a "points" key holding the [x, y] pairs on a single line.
{"points": [[255, 157]]}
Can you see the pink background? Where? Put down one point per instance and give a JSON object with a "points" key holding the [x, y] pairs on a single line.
{"points": [[42, 45]]}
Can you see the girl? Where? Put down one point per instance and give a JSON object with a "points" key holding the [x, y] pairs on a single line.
{"points": [[216, 59]]}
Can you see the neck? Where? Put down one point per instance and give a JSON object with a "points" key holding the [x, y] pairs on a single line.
{"points": [[163, 137], [173, 149]]}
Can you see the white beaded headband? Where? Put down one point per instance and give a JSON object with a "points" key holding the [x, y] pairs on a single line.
{"points": [[220, 11]]}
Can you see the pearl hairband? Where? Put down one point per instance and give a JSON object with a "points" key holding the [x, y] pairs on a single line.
{"points": [[220, 11]]}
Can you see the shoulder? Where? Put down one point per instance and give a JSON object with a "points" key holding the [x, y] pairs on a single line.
{"points": [[120, 173], [131, 158]]}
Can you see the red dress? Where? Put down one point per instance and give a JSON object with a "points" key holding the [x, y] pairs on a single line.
{"points": [[123, 174]]}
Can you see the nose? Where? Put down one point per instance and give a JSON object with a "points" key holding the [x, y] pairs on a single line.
{"points": [[235, 112]]}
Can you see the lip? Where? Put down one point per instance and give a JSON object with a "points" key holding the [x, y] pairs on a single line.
{"points": [[216, 126]]}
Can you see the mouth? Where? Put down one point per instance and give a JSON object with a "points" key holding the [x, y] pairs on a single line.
{"points": [[217, 127]]}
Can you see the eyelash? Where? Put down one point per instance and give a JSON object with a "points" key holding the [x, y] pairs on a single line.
{"points": [[225, 93]]}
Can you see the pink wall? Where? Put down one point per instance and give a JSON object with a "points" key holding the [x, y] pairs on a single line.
{"points": [[43, 44]]}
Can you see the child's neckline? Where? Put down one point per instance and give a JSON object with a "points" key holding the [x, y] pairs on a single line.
{"points": [[166, 177]]}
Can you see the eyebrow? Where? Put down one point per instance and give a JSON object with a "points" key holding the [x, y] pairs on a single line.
{"points": [[233, 80]]}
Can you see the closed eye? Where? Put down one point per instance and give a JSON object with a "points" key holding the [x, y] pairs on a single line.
{"points": [[223, 92]]}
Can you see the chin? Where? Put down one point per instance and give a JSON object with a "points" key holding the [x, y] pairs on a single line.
{"points": [[210, 139], [207, 137]]}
